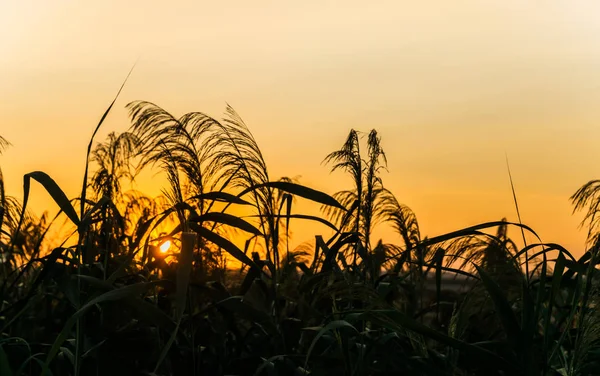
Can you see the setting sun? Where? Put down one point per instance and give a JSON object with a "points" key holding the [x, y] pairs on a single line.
{"points": [[164, 247]]}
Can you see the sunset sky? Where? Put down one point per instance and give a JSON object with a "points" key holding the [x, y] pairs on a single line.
{"points": [[450, 85]]}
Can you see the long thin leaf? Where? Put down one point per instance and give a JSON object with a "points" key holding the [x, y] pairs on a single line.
{"points": [[507, 316], [4, 364], [227, 219], [89, 148], [300, 190], [225, 244], [333, 325], [300, 216], [54, 190], [221, 197]]}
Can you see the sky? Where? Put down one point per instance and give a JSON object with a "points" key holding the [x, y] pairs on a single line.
{"points": [[452, 88]]}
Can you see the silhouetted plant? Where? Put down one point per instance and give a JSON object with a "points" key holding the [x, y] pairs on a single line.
{"points": [[354, 306]]}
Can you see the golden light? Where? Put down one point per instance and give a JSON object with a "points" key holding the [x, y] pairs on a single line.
{"points": [[164, 247]]}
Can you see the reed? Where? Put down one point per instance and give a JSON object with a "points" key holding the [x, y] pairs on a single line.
{"points": [[120, 300]]}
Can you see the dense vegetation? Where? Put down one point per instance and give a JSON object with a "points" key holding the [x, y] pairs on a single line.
{"points": [[112, 300]]}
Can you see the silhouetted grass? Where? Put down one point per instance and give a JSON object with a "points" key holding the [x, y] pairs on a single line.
{"points": [[108, 301]]}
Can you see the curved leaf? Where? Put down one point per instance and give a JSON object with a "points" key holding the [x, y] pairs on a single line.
{"points": [[333, 325], [507, 316], [227, 219], [221, 197], [299, 190], [220, 241], [301, 216], [472, 230], [54, 190]]}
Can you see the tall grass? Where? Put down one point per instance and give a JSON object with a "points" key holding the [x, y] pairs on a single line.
{"points": [[115, 301]]}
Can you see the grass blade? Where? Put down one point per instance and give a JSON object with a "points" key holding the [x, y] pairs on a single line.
{"points": [[220, 241], [54, 190], [89, 148], [333, 325], [4, 364], [507, 316], [300, 190], [300, 216], [221, 197], [227, 219]]}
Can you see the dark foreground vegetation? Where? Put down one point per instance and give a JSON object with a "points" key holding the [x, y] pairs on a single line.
{"points": [[230, 297]]}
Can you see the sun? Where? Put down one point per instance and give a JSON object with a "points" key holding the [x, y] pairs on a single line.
{"points": [[164, 247]]}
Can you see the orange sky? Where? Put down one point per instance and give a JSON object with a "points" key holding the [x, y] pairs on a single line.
{"points": [[450, 85]]}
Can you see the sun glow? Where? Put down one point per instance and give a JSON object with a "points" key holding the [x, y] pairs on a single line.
{"points": [[164, 247]]}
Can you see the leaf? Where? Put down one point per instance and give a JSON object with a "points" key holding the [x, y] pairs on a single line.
{"points": [[320, 244], [547, 247], [68, 354], [529, 326], [268, 365], [54, 190], [302, 266], [540, 296], [300, 216], [472, 230], [299, 190], [87, 218], [184, 268], [89, 148], [580, 266], [559, 267], [507, 316], [332, 252], [223, 243], [333, 325], [4, 364], [443, 268], [439, 259], [289, 199], [33, 358], [227, 219], [221, 197]]}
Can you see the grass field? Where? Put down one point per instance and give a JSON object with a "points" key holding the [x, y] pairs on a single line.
{"points": [[179, 285]]}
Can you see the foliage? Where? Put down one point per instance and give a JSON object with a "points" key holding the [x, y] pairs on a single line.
{"points": [[111, 300]]}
